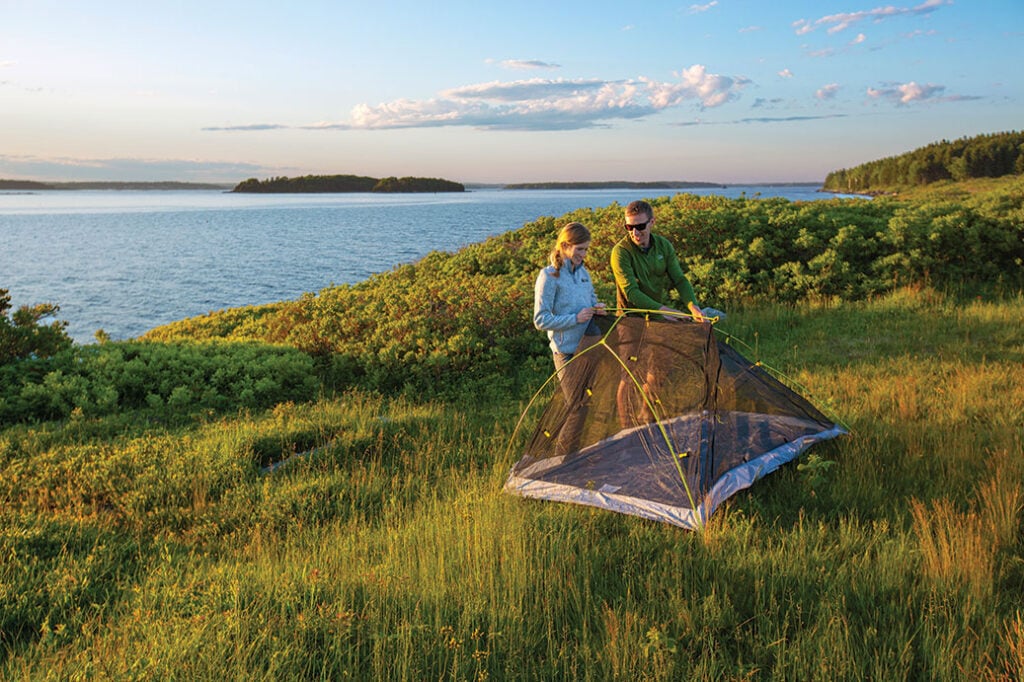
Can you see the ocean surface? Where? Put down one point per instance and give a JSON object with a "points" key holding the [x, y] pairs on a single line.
{"points": [[126, 261]]}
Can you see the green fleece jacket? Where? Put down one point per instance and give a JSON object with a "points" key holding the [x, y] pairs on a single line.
{"points": [[643, 278]]}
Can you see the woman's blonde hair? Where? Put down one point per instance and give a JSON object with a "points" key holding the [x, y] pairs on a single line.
{"points": [[570, 235]]}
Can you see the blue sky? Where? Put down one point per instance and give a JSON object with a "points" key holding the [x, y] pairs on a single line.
{"points": [[726, 91]]}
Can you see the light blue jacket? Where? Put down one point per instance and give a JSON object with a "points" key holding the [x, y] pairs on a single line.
{"points": [[556, 300]]}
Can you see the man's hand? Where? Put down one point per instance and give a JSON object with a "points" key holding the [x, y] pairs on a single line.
{"points": [[698, 314]]}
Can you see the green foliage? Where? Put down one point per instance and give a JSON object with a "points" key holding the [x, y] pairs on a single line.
{"points": [[22, 335], [22, 185], [307, 184], [459, 323], [167, 379], [408, 184], [815, 471], [983, 156]]}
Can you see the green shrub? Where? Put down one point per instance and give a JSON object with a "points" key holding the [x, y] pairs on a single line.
{"points": [[178, 377], [459, 323], [22, 335]]}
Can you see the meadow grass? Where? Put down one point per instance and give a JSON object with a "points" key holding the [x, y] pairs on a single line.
{"points": [[381, 545]]}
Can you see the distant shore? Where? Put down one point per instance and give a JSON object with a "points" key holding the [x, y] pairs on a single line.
{"points": [[31, 185], [625, 184], [615, 184]]}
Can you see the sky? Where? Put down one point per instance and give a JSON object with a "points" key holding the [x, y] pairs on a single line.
{"points": [[475, 91]]}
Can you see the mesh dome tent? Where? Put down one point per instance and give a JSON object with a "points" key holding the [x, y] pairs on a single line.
{"points": [[663, 420]]}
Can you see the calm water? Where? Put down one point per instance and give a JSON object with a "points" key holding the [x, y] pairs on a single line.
{"points": [[128, 261]]}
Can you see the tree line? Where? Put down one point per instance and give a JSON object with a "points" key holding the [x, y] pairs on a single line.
{"points": [[983, 156], [318, 184], [108, 184]]}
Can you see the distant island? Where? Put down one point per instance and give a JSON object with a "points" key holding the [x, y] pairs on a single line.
{"points": [[31, 185], [318, 184], [616, 184]]}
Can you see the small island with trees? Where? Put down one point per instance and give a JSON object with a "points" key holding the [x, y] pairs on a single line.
{"points": [[320, 184]]}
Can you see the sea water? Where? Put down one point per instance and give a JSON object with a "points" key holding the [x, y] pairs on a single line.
{"points": [[126, 261]]}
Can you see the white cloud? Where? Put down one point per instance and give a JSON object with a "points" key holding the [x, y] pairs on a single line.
{"points": [[538, 104], [526, 105], [906, 93], [527, 64], [696, 83], [844, 20], [785, 73], [827, 92], [696, 9], [751, 29], [762, 119], [405, 113], [824, 52], [517, 91], [859, 39], [248, 127]]}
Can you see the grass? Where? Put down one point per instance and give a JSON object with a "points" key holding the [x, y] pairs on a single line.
{"points": [[951, 190], [138, 551]]}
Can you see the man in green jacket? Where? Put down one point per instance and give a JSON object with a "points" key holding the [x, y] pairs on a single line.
{"points": [[646, 267]]}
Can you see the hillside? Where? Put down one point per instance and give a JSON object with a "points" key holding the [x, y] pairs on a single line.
{"points": [[464, 312]]}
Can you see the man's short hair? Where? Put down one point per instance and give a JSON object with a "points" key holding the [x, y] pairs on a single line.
{"points": [[638, 207]]}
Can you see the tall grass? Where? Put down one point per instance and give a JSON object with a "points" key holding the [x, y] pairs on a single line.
{"points": [[380, 545]]}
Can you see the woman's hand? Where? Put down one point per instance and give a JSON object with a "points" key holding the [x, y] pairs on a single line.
{"points": [[586, 314]]}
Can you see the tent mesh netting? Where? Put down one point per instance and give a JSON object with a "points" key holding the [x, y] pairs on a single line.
{"points": [[664, 420]]}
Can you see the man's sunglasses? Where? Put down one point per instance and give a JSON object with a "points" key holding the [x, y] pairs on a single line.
{"points": [[639, 227]]}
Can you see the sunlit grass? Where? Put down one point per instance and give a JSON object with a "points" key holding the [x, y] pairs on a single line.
{"points": [[382, 547]]}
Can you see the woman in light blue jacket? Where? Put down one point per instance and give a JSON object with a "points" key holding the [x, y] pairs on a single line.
{"points": [[564, 302]]}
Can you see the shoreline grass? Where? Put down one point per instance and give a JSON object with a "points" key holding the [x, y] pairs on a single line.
{"points": [[135, 552]]}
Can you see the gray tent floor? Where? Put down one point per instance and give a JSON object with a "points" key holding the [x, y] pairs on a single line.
{"points": [[638, 462]]}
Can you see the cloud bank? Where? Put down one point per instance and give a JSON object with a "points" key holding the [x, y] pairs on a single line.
{"points": [[84, 169], [527, 64], [697, 9], [537, 104], [902, 94], [844, 20], [827, 92]]}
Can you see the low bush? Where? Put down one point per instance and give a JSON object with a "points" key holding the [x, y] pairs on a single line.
{"points": [[459, 323], [22, 334], [168, 378]]}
